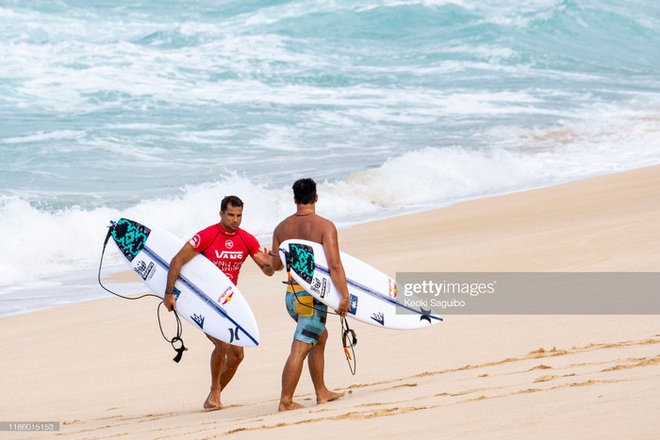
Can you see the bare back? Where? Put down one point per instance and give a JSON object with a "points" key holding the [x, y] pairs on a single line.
{"points": [[310, 226]]}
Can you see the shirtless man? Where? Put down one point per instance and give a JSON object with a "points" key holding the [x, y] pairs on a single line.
{"points": [[227, 246], [310, 335]]}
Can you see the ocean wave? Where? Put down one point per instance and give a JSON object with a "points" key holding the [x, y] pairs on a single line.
{"points": [[40, 241]]}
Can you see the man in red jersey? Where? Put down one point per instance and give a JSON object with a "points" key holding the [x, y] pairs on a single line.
{"points": [[227, 246]]}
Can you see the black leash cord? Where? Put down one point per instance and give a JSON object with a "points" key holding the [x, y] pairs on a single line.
{"points": [[179, 329], [177, 338], [349, 341]]}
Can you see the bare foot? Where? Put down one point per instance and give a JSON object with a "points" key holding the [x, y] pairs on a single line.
{"points": [[212, 402], [289, 406], [328, 397]]}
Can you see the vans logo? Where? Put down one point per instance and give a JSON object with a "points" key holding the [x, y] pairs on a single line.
{"points": [[228, 255]]}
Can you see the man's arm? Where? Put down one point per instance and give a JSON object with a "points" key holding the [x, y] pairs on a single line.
{"points": [[186, 254], [259, 256], [263, 260], [337, 274], [275, 260]]}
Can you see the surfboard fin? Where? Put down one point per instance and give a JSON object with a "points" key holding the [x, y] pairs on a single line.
{"points": [[425, 315]]}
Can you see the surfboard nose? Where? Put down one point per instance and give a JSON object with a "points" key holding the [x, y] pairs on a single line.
{"points": [[130, 236], [286, 258]]}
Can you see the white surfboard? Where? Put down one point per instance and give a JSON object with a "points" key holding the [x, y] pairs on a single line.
{"points": [[372, 293], [205, 296]]}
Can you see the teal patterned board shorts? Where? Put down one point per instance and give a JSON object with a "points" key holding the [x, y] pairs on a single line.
{"points": [[308, 312]]}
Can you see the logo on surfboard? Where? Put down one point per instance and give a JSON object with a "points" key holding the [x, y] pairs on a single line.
{"points": [[198, 319], [144, 270], [354, 304], [379, 317], [233, 334], [226, 295], [392, 291], [319, 286]]}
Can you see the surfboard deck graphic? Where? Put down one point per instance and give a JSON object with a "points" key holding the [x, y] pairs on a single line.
{"points": [[372, 293], [205, 296]]}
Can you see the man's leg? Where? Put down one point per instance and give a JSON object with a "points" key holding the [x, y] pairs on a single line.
{"points": [[235, 356], [316, 363], [291, 374], [218, 361]]}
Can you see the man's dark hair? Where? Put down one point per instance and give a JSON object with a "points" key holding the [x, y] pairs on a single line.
{"points": [[230, 200], [304, 190]]}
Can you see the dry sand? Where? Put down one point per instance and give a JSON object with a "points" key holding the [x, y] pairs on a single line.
{"points": [[102, 370]]}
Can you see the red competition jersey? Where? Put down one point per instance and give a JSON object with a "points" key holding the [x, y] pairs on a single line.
{"points": [[227, 250]]}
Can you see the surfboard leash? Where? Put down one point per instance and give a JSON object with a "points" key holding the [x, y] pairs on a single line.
{"points": [[349, 341], [177, 338], [179, 328]]}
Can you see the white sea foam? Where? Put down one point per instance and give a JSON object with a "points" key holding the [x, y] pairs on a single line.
{"points": [[39, 243]]}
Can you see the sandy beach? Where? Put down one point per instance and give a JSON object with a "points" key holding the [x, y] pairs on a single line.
{"points": [[102, 370]]}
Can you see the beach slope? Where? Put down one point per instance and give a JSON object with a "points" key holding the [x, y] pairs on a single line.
{"points": [[102, 369]]}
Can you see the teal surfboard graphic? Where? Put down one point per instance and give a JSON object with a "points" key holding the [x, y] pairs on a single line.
{"points": [[302, 261], [130, 237]]}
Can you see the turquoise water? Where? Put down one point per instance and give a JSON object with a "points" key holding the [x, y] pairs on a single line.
{"points": [[156, 110]]}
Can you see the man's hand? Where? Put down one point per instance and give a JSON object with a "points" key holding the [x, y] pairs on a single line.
{"points": [[263, 260], [344, 307], [170, 301]]}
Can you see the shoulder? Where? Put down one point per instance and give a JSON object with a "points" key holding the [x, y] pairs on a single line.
{"points": [[286, 221], [250, 240], [325, 224], [203, 236], [328, 232], [211, 229], [245, 234], [284, 224]]}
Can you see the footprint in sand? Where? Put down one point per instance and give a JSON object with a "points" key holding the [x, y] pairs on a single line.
{"points": [[546, 378]]}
